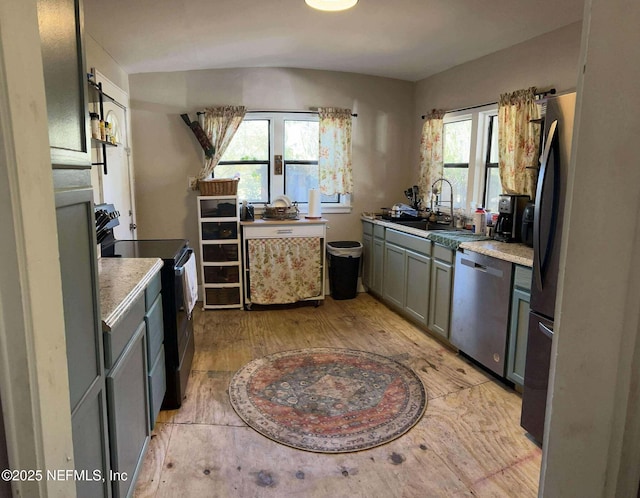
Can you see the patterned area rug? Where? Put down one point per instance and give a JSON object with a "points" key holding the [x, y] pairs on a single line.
{"points": [[328, 400]]}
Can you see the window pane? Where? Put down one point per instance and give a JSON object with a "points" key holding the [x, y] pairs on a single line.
{"points": [[493, 156], [254, 183], [458, 178], [301, 140], [250, 143], [299, 178], [494, 189], [457, 142]]}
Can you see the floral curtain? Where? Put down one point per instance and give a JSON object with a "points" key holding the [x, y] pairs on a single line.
{"points": [[431, 152], [220, 124], [285, 270], [334, 159], [518, 142]]}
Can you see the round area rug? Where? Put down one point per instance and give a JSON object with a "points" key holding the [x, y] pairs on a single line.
{"points": [[328, 400]]}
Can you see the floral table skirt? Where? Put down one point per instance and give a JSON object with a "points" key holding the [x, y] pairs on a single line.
{"points": [[285, 270]]}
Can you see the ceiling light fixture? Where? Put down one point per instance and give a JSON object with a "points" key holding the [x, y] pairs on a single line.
{"points": [[331, 5]]}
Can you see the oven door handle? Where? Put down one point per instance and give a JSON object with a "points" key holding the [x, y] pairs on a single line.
{"points": [[179, 270]]}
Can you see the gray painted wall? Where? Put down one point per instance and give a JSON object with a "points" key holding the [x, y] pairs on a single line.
{"points": [[165, 151]]}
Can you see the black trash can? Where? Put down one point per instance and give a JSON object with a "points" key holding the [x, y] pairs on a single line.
{"points": [[344, 265]]}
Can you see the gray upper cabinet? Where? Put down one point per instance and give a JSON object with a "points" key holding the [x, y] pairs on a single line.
{"points": [[61, 35]]}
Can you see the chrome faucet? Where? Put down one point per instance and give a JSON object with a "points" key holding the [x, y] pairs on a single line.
{"points": [[436, 192]]}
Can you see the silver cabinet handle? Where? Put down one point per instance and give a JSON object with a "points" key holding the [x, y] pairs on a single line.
{"points": [[284, 231], [545, 330]]}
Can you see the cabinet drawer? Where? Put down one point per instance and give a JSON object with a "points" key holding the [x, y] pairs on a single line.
{"points": [[283, 231], [442, 253], [522, 278], [218, 253], [218, 208], [221, 274], [157, 386], [116, 340], [412, 242], [214, 230], [222, 296], [155, 329], [378, 231], [367, 228], [152, 291]]}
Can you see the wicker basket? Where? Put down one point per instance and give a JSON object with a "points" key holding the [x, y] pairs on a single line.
{"points": [[223, 186]]}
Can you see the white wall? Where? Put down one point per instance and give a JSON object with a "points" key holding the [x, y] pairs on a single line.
{"points": [[549, 60], [166, 152], [592, 443]]}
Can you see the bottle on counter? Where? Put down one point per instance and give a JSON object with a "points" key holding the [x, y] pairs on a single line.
{"points": [[479, 221], [102, 130]]}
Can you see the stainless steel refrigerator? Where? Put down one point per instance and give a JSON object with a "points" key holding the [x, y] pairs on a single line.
{"points": [[547, 237]]}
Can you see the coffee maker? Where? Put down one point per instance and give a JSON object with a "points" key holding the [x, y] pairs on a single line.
{"points": [[510, 209]]}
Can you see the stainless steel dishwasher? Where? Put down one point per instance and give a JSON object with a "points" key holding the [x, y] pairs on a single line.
{"points": [[480, 314]]}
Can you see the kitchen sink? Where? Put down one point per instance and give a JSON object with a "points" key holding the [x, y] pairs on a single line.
{"points": [[422, 224]]}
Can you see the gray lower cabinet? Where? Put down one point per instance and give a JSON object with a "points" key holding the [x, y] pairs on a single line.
{"points": [[367, 254], [128, 407], [519, 324], [155, 349], [80, 295], [394, 274], [407, 268], [417, 286], [442, 263], [372, 257]]}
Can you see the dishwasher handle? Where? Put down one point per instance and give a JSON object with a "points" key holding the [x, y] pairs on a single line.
{"points": [[483, 268]]}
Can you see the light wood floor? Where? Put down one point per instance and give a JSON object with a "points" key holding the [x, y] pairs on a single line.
{"points": [[469, 442]]}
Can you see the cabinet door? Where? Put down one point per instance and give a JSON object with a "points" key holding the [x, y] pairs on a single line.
{"points": [[90, 449], [394, 274], [378, 266], [440, 298], [61, 37], [128, 401], [418, 276], [78, 265], [518, 330], [367, 258]]}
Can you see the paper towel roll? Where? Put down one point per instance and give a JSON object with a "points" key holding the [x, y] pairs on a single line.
{"points": [[314, 204]]}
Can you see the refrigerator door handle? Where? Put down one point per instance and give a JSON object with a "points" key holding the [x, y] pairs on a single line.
{"points": [[545, 330], [537, 243]]}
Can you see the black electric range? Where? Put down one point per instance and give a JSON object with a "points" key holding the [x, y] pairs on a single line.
{"points": [[179, 344]]}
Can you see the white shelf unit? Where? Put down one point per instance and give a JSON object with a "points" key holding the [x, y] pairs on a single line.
{"points": [[220, 251], [274, 229]]}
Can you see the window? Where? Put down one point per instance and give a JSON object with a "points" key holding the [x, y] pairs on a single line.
{"points": [[252, 154], [248, 156], [457, 148], [470, 157], [492, 185]]}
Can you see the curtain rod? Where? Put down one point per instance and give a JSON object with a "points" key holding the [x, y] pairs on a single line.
{"points": [[355, 115], [551, 91]]}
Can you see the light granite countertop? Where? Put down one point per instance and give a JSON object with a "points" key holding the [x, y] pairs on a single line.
{"points": [[122, 280], [512, 252]]}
